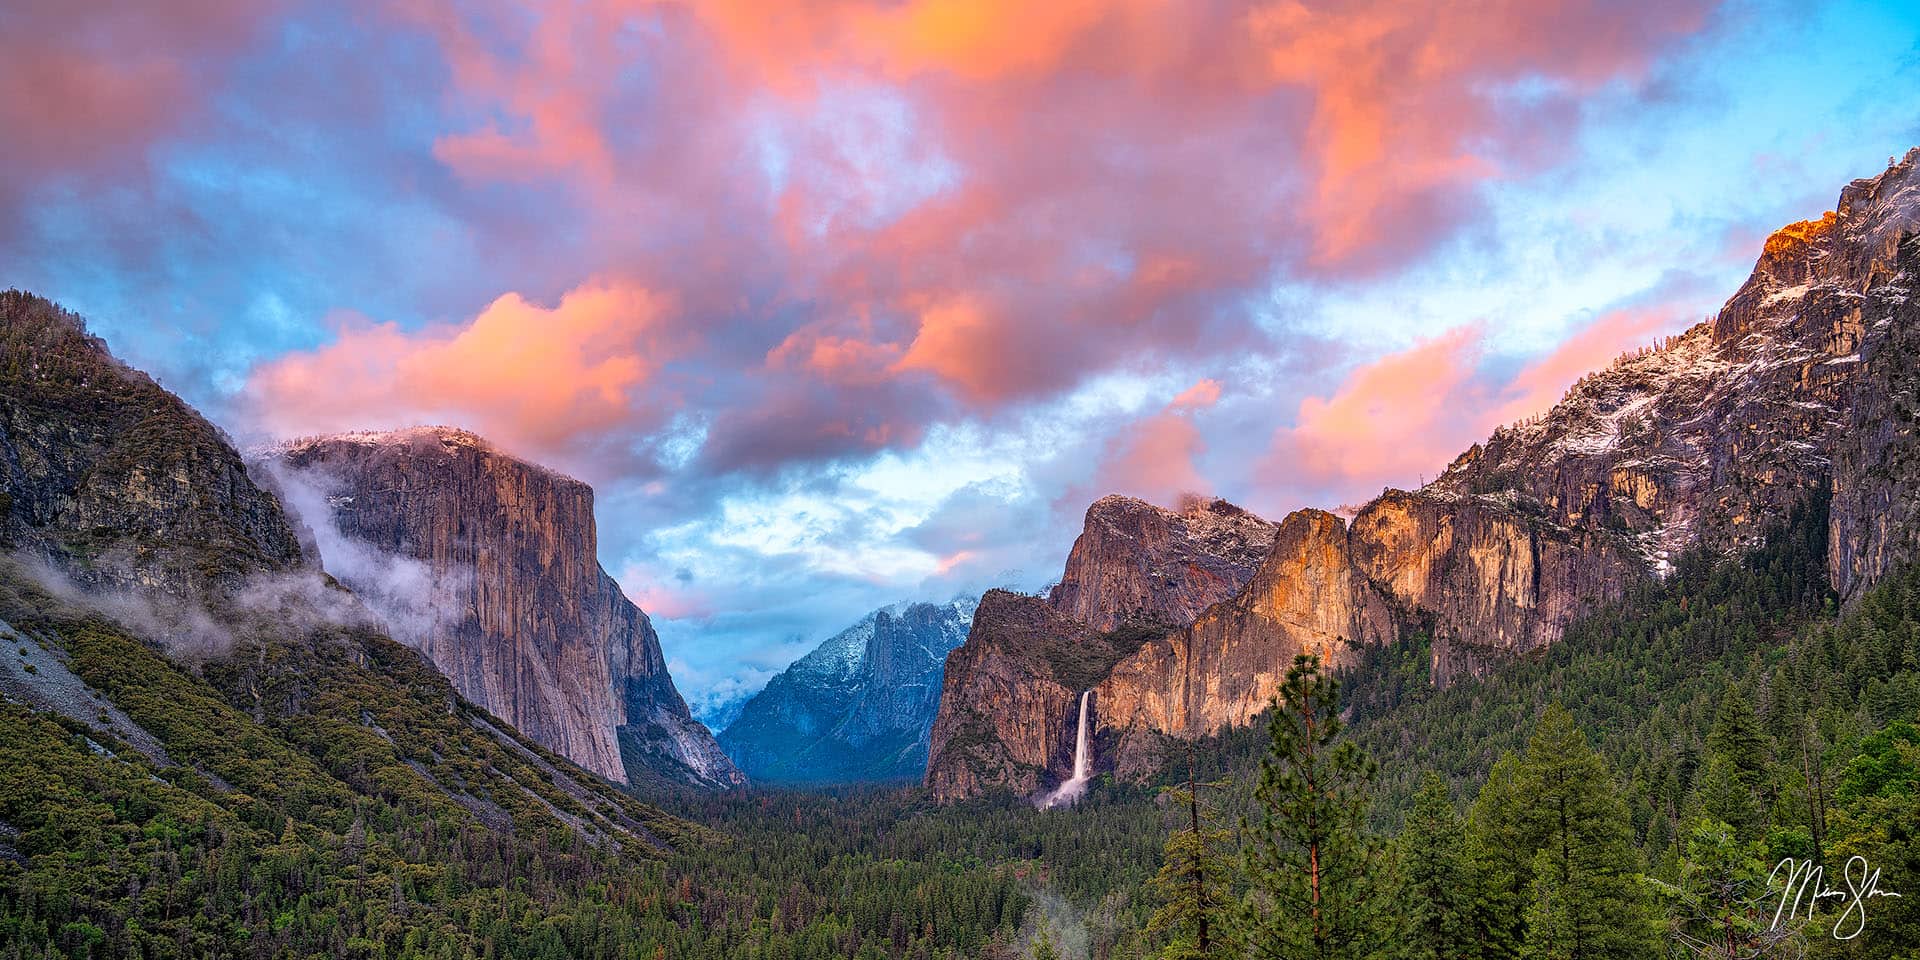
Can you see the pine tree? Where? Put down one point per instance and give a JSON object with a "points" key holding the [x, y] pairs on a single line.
{"points": [[1736, 737], [1315, 889], [1499, 865], [1435, 896], [1721, 905], [1588, 902], [1193, 881], [1721, 795], [1043, 948]]}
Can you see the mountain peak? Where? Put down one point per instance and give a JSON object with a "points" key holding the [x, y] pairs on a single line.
{"points": [[1134, 560], [858, 707], [420, 438]]}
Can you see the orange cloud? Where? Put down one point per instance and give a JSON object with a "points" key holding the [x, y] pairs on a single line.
{"points": [[1404, 417], [1155, 458], [1391, 418], [532, 378], [964, 343]]}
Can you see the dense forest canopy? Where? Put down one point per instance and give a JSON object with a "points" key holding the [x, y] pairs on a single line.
{"points": [[1701, 729]]}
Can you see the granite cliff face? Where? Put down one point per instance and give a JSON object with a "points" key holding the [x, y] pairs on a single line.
{"points": [[1006, 713], [1706, 439], [859, 707], [1136, 562], [1136, 571], [1805, 381], [520, 615], [157, 603], [114, 480]]}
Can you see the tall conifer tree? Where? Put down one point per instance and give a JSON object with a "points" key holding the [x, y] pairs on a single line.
{"points": [[1588, 899], [1435, 896], [1314, 872], [1499, 862]]}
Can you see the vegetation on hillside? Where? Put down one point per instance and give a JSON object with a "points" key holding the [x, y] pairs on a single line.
{"points": [[329, 796]]}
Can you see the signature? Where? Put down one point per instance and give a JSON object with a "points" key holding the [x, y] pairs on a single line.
{"points": [[1807, 884]]}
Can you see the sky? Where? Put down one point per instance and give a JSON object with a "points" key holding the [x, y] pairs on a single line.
{"points": [[838, 304]]}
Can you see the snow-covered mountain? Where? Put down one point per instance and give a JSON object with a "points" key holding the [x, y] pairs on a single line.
{"points": [[859, 706]]}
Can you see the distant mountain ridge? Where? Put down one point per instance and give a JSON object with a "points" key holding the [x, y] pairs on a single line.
{"points": [[1803, 382], [859, 707]]}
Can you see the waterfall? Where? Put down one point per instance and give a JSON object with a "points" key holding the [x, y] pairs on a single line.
{"points": [[1082, 765]]}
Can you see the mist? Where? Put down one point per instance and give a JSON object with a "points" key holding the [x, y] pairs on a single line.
{"points": [[411, 601], [192, 632]]}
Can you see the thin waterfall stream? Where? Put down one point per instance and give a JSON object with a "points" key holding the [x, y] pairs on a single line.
{"points": [[1076, 785]]}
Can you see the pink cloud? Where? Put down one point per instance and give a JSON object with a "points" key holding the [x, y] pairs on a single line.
{"points": [[90, 95], [1201, 395], [1043, 192], [1155, 458], [1403, 417], [533, 378], [885, 215]]}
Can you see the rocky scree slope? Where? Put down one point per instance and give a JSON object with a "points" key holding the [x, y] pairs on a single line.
{"points": [[1806, 379], [525, 622]]}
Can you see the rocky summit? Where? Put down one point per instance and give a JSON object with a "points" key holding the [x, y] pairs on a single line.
{"points": [[114, 480], [1135, 561], [1008, 700], [488, 564], [1802, 385], [859, 707]]}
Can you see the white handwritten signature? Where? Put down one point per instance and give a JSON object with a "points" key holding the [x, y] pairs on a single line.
{"points": [[1806, 883]]}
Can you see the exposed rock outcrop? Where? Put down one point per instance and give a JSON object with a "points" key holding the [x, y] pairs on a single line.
{"points": [[1136, 571], [1135, 561], [114, 480], [524, 621], [1806, 380], [1004, 718], [859, 707], [1309, 596]]}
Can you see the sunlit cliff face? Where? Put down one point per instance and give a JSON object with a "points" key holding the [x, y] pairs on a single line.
{"points": [[841, 303]]}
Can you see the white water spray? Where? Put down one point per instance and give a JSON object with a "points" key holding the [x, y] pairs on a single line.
{"points": [[1076, 785]]}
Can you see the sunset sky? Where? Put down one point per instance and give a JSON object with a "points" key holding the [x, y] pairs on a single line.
{"points": [[839, 303]]}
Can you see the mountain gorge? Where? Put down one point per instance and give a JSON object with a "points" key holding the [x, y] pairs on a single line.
{"points": [[858, 707], [488, 565], [1804, 381]]}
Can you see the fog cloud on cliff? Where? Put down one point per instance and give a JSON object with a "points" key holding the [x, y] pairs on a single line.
{"points": [[186, 631], [292, 602], [411, 601]]}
